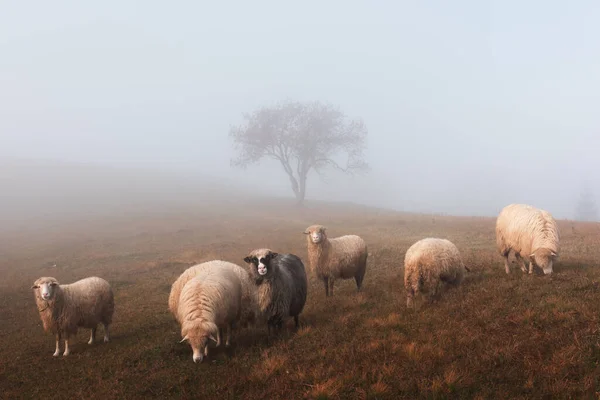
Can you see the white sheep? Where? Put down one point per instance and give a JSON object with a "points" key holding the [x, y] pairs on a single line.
{"points": [[529, 232], [344, 257], [64, 308], [250, 308], [209, 303], [428, 263], [282, 285]]}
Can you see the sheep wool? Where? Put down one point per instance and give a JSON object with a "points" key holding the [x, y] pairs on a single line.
{"points": [[529, 232], [282, 285], [65, 308], [344, 257], [209, 302], [249, 296], [428, 263]]}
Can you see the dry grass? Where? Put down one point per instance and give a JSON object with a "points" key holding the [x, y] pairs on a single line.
{"points": [[496, 336]]}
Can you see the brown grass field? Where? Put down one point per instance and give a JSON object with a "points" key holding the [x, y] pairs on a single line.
{"points": [[497, 336]]}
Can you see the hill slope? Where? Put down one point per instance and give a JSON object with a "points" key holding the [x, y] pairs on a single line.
{"points": [[497, 336]]}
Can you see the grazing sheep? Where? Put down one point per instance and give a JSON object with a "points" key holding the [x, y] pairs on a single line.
{"points": [[249, 296], [64, 308], [428, 263], [343, 257], [530, 232], [282, 285], [209, 302]]}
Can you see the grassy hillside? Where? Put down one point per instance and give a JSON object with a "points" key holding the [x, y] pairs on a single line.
{"points": [[497, 336]]}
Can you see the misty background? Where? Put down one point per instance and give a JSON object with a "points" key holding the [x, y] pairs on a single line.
{"points": [[469, 106]]}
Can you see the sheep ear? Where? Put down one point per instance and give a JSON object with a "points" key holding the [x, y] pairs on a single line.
{"points": [[184, 339], [35, 287], [212, 337], [306, 232], [247, 260], [273, 255], [553, 254]]}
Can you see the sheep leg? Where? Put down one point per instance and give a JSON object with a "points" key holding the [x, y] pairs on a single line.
{"points": [[228, 335], [219, 334], [66, 353], [410, 298], [358, 283], [57, 352], [331, 281], [106, 334], [521, 262], [435, 291], [506, 265], [530, 267], [206, 350], [326, 282], [92, 335]]}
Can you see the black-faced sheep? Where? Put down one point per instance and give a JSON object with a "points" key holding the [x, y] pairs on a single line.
{"points": [[209, 303], [65, 308], [530, 232], [428, 263], [344, 257], [282, 285]]}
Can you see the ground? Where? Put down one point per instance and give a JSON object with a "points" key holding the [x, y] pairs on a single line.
{"points": [[496, 336]]}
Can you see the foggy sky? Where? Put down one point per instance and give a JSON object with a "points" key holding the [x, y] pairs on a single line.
{"points": [[470, 105]]}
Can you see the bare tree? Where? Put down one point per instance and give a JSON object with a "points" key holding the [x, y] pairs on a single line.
{"points": [[586, 208], [302, 137]]}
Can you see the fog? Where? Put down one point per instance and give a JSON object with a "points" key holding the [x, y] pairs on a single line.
{"points": [[469, 105]]}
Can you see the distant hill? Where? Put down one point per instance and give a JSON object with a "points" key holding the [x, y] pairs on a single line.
{"points": [[48, 191]]}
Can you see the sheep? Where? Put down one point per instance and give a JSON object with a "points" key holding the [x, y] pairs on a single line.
{"points": [[282, 285], [343, 257], [250, 312], [428, 263], [64, 308], [209, 302], [528, 231]]}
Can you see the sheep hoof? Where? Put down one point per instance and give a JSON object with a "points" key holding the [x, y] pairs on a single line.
{"points": [[90, 342], [106, 339], [56, 354], [66, 353]]}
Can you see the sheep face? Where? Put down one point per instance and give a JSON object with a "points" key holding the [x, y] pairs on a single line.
{"points": [[544, 259], [316, 233], [198, 336], [259, 260], [45, 287]]}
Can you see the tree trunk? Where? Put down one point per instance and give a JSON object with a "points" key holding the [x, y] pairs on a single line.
{"points": [[301, 194]]}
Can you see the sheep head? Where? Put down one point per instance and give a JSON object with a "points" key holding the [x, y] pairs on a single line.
{"points": [[45, 288], [316, 233], [198, 334], [544, 258], [259, 261]]}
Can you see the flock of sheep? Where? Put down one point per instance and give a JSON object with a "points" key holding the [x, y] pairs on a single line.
{"points": [[212, 299]]}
